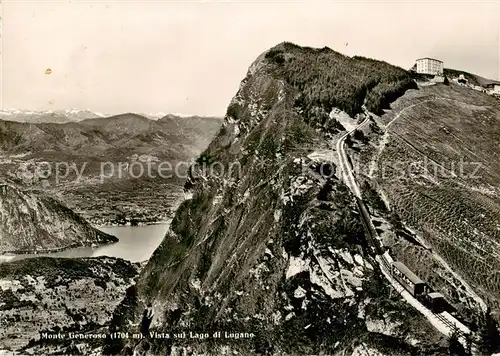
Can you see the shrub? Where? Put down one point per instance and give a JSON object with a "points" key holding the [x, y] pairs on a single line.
{"points": [[375, 128], [360, 136], [276, 56], [204, 158], [371, 195], [348, 141], [490, 335]]}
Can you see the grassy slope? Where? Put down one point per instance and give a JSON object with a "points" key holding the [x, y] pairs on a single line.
{"points": [[458, 216], [326, 79]]}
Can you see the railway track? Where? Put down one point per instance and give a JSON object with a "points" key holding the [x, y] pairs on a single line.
{"points": [[372, 235], [439, 316], [375, 246]]}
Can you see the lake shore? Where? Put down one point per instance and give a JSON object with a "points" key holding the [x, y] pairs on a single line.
{"points": [[135, 244]]}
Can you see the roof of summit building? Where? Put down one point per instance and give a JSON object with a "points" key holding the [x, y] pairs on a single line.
{"points": [[434, 59]]}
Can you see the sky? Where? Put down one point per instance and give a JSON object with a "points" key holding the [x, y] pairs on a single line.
{"points": [[189, 57]]}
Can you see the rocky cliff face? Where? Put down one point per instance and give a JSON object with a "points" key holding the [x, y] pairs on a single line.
{"points": [[30, 223], [269, 249]]}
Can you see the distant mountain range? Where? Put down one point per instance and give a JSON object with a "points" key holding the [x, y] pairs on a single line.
{"points": [[26, 147], [57, 116], [68, 115], [122, 135], [31, 220]]}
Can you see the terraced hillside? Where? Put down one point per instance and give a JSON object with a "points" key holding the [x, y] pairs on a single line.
{"points": [[438, 168]]}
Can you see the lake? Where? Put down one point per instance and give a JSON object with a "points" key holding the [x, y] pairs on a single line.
{"points": [[137, 243]]}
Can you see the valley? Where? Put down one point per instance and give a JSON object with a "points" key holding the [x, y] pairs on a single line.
{"points": [[125, 169], [53, 195]]}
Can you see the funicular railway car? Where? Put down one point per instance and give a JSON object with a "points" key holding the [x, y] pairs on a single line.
{"points": [[374, 242], [436, 302], [433, 300], [408, 279]]}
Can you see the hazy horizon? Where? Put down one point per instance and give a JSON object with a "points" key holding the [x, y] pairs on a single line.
{"points": [[189, 58]]}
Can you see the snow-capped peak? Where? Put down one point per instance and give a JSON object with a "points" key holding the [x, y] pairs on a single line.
{"points": [[153, 115], [159, 115], [57, 116]]}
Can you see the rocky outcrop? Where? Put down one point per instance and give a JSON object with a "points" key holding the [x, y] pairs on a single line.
{"points": [[30, 223]]}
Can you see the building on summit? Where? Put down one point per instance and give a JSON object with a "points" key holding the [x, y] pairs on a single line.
{"points": [[462, 80], [429, 66], [493, 88]]}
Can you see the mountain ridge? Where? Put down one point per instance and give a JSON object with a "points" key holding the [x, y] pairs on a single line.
{"points": [[276, 249], [76, 115], [84, 136], [30, 154], [39, 116]]}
